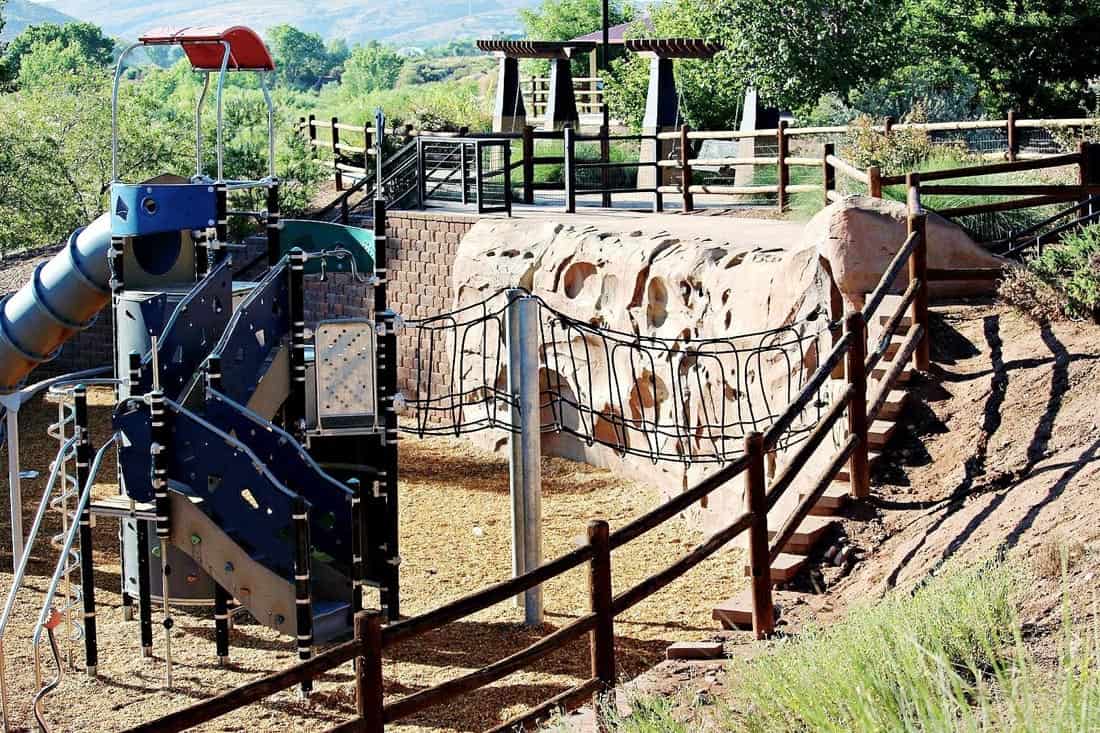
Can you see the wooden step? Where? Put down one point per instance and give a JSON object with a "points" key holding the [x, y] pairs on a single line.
{"points": [[879, 372], [736, 612], [784, 567], [832, 500], [879, 432], [872, 457], [895, 403], [893, 347], [888, 307], [807, 534]]}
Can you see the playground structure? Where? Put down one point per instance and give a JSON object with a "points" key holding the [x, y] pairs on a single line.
{"points": [[257, 461]]}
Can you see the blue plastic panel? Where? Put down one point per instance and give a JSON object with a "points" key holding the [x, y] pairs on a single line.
{"points": [[192, 331], [150, 208], [256, 329], [238, 491], [330, 518]]}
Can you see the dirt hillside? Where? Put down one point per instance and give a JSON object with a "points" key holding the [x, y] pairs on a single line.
{"points": [[999, 453]]}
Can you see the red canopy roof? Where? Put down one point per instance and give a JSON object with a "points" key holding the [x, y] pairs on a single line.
{"points": [[202, 44]]}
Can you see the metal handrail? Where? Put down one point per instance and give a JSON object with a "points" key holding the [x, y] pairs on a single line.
{"points": [[63, 455], [60, 570]]}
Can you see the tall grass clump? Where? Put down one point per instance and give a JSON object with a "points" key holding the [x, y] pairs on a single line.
{"points": [[948, 657], [906, 663]]}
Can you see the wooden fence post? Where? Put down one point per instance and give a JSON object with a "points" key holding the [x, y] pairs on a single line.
{"points": [[685, 169], [918, 272], [784, 171], [859, 466], [368, 671], [828, 173], [335, 133], [1013, 143], [763, 611], [528, 164], [570, 171], [602, 638], [311, 133], [874, 173]]}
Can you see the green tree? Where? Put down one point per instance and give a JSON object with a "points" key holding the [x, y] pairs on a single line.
{"points": [[563, 20], [371, 67], [89, 47], [1034, 56], [337, 51], [301, 59]]}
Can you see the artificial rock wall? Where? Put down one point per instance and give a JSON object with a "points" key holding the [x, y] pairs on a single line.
{"points": [[676, 279]]}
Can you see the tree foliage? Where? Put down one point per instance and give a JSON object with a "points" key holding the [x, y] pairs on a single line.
{"points": [[1034, 56], [83, 44], [301, 59], [371, 67], [56, 158], [564, 20]]}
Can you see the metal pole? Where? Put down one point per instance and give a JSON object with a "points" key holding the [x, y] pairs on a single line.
{"points": [[14, 484], [525, 459]]}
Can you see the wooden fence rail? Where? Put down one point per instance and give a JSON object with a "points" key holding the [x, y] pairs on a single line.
{"points": [[347, 149]]}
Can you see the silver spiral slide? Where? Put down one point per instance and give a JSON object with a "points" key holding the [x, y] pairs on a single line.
{"points": [[62, 297]]}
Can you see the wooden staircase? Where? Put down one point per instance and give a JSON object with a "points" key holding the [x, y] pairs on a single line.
{"points": [[736, 612]]}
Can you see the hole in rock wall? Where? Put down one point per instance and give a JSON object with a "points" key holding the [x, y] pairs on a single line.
{"points": [[646, 396], [609, 428], [657, 309], [576, 277]]}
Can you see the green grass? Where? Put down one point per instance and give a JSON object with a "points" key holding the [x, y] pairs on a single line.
{"points": [[949, 657]]}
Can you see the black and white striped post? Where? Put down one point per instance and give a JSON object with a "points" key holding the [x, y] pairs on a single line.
{"points": [[87, 565], [386, 386], [274, 225], [221, 595], [145, 603], [296, 404], [357, 563], [303, 597], [221, 224], [158, 450]]}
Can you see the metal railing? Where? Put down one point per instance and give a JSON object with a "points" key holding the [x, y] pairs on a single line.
{"points": [[49, 617], [471, 171], [57, 470]]}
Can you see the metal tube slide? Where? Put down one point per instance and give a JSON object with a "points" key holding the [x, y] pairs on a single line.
{"points": [[61, 298]]}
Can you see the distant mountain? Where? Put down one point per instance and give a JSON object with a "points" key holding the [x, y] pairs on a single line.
{"points": [[404, 21], [18, 14]]}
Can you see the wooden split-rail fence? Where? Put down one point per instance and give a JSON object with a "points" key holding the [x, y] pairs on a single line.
{"points": [[687, 171], [857, 405]]}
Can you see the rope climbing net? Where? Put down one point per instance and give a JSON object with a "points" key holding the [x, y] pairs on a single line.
{"points": [[682, 399]]}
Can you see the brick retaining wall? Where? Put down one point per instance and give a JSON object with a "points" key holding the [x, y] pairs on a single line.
{"points": [[420, 251]]}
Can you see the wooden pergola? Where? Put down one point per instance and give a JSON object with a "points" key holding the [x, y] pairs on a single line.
{"points": [[509, 112]]}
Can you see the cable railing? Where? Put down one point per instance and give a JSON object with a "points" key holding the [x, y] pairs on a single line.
{"points": [[672, 399]]}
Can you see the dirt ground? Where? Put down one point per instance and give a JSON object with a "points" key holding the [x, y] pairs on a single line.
{"points": [[455, 533]]}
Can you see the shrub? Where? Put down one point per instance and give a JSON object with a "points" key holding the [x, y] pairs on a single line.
{"points": [[1071, 269], [902, 150]]}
